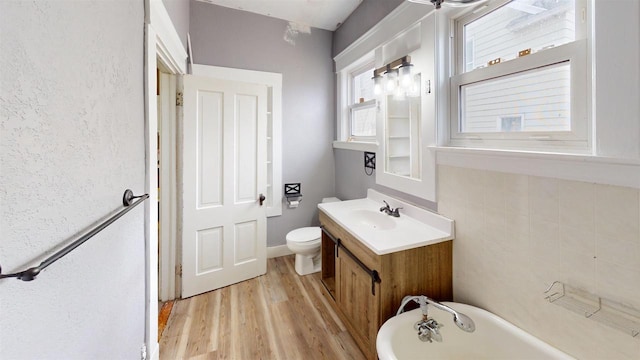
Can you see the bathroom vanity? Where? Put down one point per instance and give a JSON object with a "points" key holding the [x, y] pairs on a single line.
{"points": [[371, 260]]}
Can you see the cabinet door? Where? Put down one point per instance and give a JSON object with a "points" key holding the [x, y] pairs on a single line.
{"points": [[329, 265], [357, 302]]}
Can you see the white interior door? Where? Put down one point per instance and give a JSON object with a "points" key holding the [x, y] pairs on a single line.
{"points": [[224, 177]]}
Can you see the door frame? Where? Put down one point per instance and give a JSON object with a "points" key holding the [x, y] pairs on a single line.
{"points": [[168, 120], [162, 44]]}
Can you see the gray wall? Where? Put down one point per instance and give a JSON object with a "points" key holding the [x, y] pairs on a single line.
{"points": [[179, 13], [369, 13], [231, 38], [71, 140], [352, 182]]}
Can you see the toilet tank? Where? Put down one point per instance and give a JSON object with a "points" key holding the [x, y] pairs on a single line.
{"points": [[330, 199]]}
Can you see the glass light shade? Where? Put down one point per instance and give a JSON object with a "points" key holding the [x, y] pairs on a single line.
{"points": [[392, 79], [406, 78], [377, 85], [414, 88]]}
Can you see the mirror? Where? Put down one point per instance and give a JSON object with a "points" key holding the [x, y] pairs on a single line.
{"points": [[402, 133]]}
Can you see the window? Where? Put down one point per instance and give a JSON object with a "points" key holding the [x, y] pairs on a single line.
{"points": [[362, 106], [540, 95], [521, 77], [510, 123]]}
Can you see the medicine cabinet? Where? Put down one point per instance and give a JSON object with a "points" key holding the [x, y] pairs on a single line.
{"points": [[406, 124], [402, 135]]}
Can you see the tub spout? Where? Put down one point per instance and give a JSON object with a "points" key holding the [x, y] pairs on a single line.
{"points": [[464, 322], [461, 320]]}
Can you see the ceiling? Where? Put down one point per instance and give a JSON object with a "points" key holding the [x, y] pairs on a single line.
{"points": [[323, 14]]}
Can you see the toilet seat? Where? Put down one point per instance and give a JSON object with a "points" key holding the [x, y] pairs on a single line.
{"points": [[305, 234]]}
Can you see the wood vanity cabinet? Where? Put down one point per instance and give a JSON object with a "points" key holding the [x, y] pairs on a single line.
{"points": [[349, 272]]}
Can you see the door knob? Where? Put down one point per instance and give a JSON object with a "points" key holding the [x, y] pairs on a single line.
{"points": [[262, 198]]}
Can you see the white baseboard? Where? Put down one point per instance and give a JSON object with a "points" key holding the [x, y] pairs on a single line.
{"points": [[277, 251]]}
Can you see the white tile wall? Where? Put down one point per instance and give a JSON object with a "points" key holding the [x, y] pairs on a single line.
{"points": [[516, 234]]}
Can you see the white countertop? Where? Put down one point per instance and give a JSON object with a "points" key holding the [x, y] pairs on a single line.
{"points": [[385, 234]]}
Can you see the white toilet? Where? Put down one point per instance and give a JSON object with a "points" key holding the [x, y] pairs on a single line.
{"points": [[305, 243]]}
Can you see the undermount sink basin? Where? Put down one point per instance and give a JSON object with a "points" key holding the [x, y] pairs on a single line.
{"points": [[375, 220]]}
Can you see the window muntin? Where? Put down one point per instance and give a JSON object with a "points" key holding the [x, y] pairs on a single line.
{"points": [[518, 25]]}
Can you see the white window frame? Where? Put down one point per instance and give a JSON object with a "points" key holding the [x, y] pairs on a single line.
{"points": [[345, 98], [358, 68], [578, 140]]}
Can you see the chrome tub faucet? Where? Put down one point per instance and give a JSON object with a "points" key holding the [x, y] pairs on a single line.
{"points": [[428, 328]]}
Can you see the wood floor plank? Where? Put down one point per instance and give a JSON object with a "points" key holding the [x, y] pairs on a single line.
{"points": [[317, 326], [224, 324], [181, 339], [280, 315], [201, 324], [216, 318], [271, 283]]}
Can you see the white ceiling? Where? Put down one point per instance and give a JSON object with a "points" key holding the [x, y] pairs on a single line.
{"points": [[323, 14]]}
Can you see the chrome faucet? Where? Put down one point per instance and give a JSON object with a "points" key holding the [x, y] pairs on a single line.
{"points": [[389, 210], [429, 329]]}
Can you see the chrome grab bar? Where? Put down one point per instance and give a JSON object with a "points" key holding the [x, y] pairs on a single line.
{"points": [[31, 273]]}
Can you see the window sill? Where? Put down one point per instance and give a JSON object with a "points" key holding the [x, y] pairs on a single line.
{"points": [[596, 169], [356, 145]]}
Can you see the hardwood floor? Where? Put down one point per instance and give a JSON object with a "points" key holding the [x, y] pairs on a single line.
{"points": [[276, 316]]}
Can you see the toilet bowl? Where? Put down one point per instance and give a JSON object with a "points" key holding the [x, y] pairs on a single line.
{"points": [[305, 243]]}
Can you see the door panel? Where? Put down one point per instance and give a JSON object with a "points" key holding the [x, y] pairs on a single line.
{"points": [[246, 236], [209, 250], [210, 152], [223, 174], [246, 151]]}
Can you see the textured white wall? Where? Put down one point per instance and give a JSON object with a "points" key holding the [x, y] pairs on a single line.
{"points": [[71, 141]]}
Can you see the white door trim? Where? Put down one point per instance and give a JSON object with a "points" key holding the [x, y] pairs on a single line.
{"points": [[168, 189], [161, 43], [169, 48]]}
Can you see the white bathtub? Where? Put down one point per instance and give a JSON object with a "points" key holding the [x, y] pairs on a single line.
{"points": [[494, 338]]}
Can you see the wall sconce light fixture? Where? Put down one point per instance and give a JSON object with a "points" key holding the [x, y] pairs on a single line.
{"points": [[396, 78]]}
